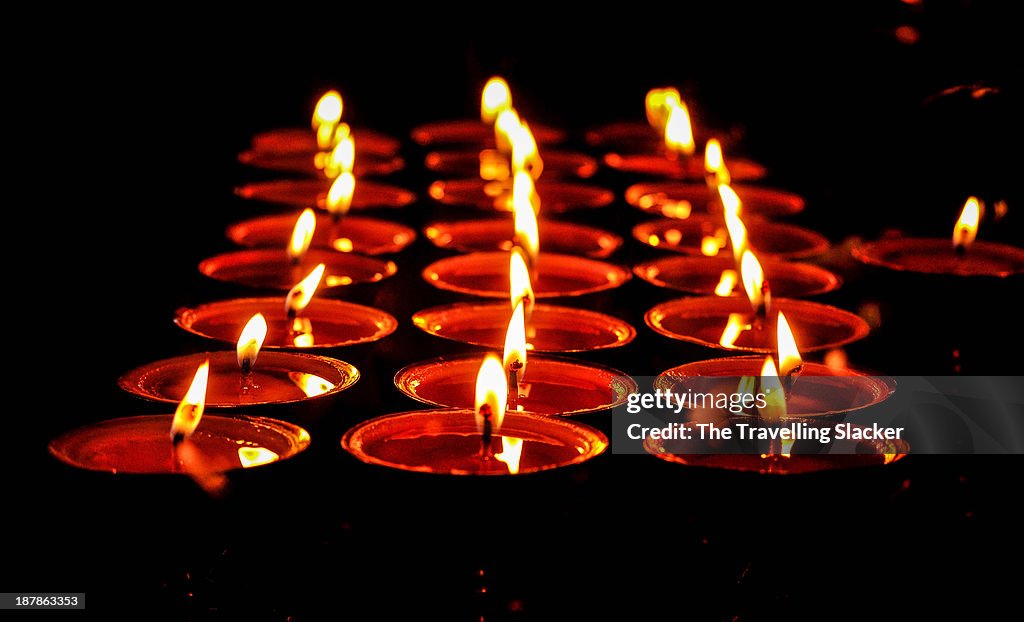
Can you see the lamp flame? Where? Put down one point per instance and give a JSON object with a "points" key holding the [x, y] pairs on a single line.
{"points": [[302, 235], [299, 296], [250, 341], [342, 158], [658, 103], [515, 340], [339, 197], [679, 131], [520, 285], [511, 453], [775, 397], [190, 410], [495, 98], [738, 322], [754, 282], [714, 163], [505, 126], [526, 236], [326, 116], [726, 283], [731, 208], [967, 225], [789, 353], [491, 393], [525, 156]]}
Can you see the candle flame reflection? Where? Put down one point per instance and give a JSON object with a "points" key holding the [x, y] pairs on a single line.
{"points": [[511, 453], [738, 322], [256, 456], [310, 384], [726, 283]]}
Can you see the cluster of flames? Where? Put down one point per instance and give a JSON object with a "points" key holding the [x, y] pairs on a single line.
{"points": [[337, 154]]}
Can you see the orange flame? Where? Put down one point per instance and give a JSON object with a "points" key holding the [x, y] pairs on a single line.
{"points": [[251, 340], [789, 353], [520, 285], [525, 156], [726, 283], [495, 98], [491, 392], [658, 103], [190, 410], [505, 126], [714, 163], [515, 340], [302, 235], [526, 236], [310, 384], [967, 225], [511, 453], [737, 323], [771, 386], [326, 116], [731, 208], [678, 131], [339, 197], [342, 158], [250, 457], [299, 296], [754, 282]]}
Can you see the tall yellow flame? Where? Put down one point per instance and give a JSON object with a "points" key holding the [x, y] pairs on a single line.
{"points": [[302, 235], [525, 156], [526, 236], [326, 116], [753, 281], [731, 208], [520, 285], [515, 340], [251, 340], [714, 163], [775, 397], [190, 410], [505, 126], [342, 158], [491, 392], [339, 197], [299, 296], [658, 103], [679, 131]]}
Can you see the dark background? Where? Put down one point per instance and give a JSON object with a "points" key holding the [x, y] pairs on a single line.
{"points": [[130, 165]]}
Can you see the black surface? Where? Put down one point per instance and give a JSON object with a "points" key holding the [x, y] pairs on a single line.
{"points": [[829, 100]]}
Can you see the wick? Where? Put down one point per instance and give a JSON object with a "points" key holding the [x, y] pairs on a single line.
{"points": [[513, 385], [790, 380], [246, 381], [961, 250], [485, 436]]}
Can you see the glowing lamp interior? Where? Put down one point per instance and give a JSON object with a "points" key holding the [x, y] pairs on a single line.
{"points": [[250, 457], [310, 384], [511, 453], [738, 322]]}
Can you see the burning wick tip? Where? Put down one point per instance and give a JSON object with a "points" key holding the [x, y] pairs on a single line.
{"points": [[177, 439]]}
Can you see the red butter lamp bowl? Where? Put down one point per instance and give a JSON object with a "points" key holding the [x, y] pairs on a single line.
{"points": [[555, 196], [703, 275], [677, 199], [691, 236], [313, 193], [494, 234], [270, 268], [448, 442], [367, 236]]}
